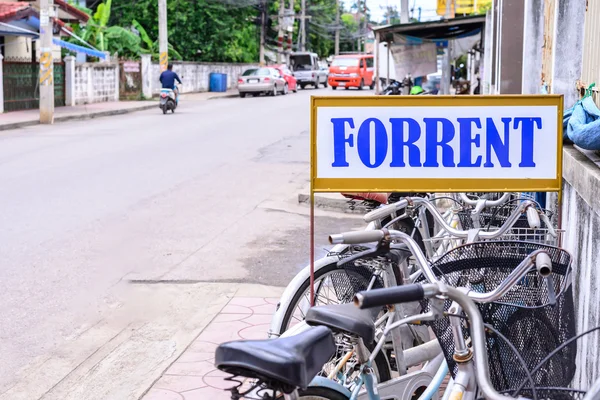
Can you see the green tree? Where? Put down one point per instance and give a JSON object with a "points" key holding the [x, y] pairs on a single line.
{"points": [[114, 39], [200, 30], [151, 46], [391, 15]]}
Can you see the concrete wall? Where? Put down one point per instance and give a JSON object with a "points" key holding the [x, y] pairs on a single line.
{"points": [[96, 83], [581, 220], [195, 76], [510, 46], [568, 48], [533, 45]]}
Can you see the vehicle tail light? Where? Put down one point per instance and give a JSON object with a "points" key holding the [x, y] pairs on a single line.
{"points": [[163, 94], [240, 80], [267, 79], [313, 75]]}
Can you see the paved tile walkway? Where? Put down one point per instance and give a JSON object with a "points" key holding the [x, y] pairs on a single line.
{"points": [[193, 376]]}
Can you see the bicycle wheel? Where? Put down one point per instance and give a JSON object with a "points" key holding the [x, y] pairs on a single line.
{"points": [[321, 393], [326, 293]]}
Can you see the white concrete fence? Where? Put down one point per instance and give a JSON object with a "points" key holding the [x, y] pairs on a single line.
{"points": [[87, 83], [194, 75]]}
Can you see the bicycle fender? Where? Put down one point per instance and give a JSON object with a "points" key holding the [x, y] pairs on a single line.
{"points": [[321, 381]]}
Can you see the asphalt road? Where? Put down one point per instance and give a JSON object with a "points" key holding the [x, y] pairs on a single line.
{"points": [[89, 208]]}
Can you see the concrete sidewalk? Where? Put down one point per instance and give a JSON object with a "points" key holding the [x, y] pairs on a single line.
{"points": [[20, 119], [167, 348], [193, 375]]}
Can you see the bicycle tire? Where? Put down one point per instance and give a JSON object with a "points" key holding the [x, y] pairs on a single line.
{"points": [[382, 365], [321, 393]]}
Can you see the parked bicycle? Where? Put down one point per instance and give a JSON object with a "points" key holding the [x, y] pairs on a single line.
{"points": [[537, 290]]}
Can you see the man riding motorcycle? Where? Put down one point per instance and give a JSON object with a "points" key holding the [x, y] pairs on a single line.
{"points": [[168, 78]]}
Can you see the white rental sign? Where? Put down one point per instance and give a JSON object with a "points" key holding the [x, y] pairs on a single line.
{"points": [[435, 143]]}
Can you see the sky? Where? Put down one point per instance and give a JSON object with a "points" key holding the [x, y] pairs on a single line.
{"points": [[428, 8]]}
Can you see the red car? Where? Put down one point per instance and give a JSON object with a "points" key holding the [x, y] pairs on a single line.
{"points": [[288, 76]]}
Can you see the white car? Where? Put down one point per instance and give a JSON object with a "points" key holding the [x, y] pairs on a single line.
{"points": [[265, 80]]}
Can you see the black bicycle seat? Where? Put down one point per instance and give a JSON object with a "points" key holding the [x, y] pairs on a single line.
{"points": [[345, 317], [284, 362]]}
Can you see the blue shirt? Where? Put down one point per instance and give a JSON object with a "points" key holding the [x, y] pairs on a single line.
{"points": [[168, 78]]}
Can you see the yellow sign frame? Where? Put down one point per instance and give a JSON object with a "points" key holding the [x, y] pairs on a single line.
{"points": [[438, 184]]}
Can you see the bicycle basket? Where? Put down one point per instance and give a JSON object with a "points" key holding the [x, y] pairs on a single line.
{"points": [[356, 275], [495, 217], [549, 393], [523, 315]]}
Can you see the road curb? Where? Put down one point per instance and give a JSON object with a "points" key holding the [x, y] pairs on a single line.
{"points": [[80, 117], [339, 205], [227, 96]]}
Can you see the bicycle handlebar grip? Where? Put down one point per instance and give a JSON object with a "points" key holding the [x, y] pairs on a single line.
{"points": [[393, 295], [543, 264], [533, 218], [384, 211], [356, 237]]}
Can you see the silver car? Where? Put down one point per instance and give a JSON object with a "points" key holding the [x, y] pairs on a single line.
{"points": [[261, 80]]}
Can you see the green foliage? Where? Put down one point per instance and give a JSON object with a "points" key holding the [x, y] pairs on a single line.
{"points": [[114, 39], [199, 30], [391, 16], [210, 30], [148, 46]]}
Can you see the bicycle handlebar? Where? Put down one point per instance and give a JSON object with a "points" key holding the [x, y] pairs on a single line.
{"points": [[533, 218], [357, 237], [371, 299], [510, 221], [384, 211], [487, 203], [392, 295], [543, 264], [538, 258], [406, 239]]}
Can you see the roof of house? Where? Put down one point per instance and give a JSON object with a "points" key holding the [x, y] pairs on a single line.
{"points": [[77, 13], [65, 11], [442, 29], [13, 10]]}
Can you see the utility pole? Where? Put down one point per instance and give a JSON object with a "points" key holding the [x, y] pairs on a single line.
{"points": [[404, 12], [358, 14], [337, 27], [280, 32], [365, 26], [447, 61], [303, 27], [163, 40], [46, 63], [290, 30], [263, 13]]}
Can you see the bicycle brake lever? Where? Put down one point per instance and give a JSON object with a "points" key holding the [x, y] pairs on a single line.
{"points": [[551, 294]]}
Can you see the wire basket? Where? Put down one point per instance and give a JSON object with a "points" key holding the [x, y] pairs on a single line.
{"points": [[541, 235], [524, 315], [356, 275], [549, 393], [495, 217]]}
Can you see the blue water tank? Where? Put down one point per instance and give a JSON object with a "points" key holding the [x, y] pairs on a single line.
{"points": [[217, 82]]}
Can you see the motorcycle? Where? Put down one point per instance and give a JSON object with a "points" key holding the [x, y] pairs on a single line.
{"points": [[394, 88], [168, 101]]}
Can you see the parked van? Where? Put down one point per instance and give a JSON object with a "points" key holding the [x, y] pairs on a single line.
{"points": [[355, 70], [307, 70]]}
